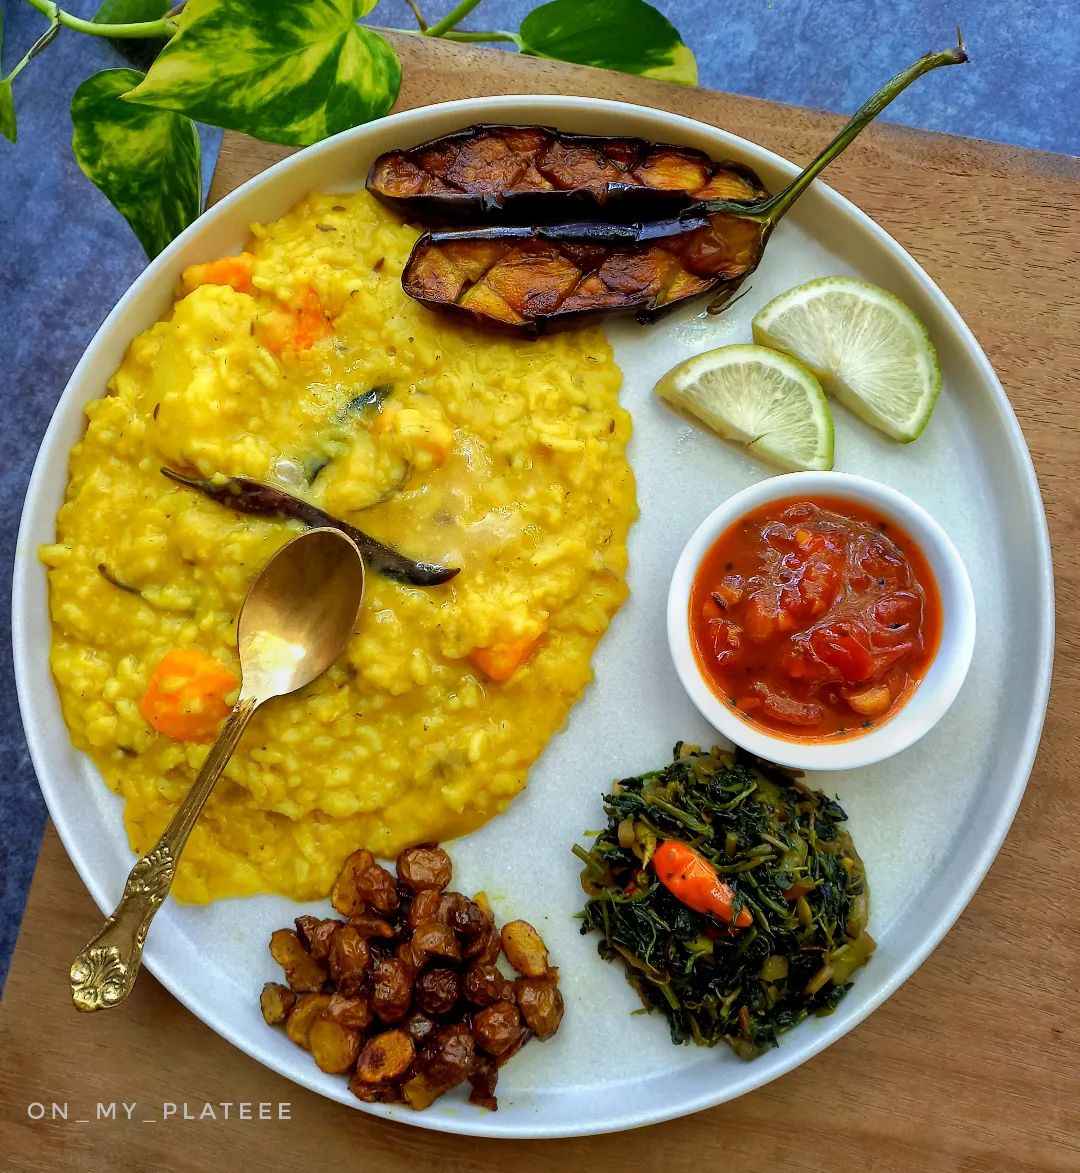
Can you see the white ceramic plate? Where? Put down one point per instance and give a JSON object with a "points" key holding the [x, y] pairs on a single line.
{"points": [[928, 822]]}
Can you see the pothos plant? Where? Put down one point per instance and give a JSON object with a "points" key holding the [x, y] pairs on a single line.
{"points": [[287, 71]]}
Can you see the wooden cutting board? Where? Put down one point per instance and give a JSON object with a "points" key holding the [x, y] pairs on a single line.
{"points": [[971, 1067]]}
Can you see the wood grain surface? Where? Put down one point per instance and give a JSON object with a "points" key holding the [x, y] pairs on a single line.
{"points": [[972, 1067]]}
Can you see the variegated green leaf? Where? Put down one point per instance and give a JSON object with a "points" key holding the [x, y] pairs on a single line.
{"points": [[145, 161], [139, 52], [627, 35], [289, 71]]}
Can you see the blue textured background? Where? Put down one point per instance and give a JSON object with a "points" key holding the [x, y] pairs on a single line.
{"points": [[66, 257]]}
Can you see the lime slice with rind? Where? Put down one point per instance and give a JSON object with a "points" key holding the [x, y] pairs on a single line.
{"points": [[757, 397], [867, 348]]}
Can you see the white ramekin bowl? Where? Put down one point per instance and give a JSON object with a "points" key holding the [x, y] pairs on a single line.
{"points": [[931, 698]]}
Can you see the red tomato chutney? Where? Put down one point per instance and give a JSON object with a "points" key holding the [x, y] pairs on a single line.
{"points": [[814, 618]]}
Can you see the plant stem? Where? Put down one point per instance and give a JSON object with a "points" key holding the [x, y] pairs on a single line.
{"points": [[422, 24], [140, 31], [464, 37], [490, 35], [34, 50], [454, 17]]}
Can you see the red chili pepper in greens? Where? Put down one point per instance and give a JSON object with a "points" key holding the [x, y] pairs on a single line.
{"points": [[692, 880]]}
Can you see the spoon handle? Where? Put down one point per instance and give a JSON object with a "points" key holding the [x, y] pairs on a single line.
{"points": [[104, 972]]}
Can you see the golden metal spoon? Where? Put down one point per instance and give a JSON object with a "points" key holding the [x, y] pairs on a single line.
{"points": [[293, 624]]}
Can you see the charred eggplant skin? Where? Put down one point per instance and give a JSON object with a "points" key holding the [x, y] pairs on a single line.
{"points": [[527, 279], [492, 174], [627, 269]]}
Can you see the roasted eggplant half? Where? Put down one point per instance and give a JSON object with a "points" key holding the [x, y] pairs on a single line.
{"points": [[528, 279], [493, 174]]}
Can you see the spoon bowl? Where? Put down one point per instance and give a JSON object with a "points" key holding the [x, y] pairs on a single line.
{"points": [[293, 624], [299, 613]]}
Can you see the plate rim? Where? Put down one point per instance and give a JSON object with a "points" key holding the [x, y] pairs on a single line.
{"points": [[472, 109]]}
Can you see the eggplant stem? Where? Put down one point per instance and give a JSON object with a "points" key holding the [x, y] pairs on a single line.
{"points": [[773, 209]]}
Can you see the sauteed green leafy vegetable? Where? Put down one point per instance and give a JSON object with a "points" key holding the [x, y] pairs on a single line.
{"points": [[781, 846]]}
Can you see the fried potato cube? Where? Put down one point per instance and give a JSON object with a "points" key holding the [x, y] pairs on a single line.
{"points": [[345, 895], [463, 915], [524, 948], [333, 1047], [362, 882], [421, 1092], [350, 959], [438, 990], [391, 989], [404, 953], [485, 984], [377, 887], [386, 1057], [303, 973], [483, 1078], [315, 934], [484, 948], [375, 1093], [432, 939], [497, 1027], [469, 920], [420, 1028], [353, 1012], [424, 867], [541, 1003], [276, 1001], [368, 925], [425, 906], [449, 1056], [308, 1007]]}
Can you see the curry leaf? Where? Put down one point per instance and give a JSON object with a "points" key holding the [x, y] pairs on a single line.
{"points": [[289, 71], [145, 161], [627, 35], [7, 111], [140, 53]]}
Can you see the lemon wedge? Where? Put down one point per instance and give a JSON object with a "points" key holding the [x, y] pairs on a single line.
{"points": [[866, 347], [757, 397]]}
